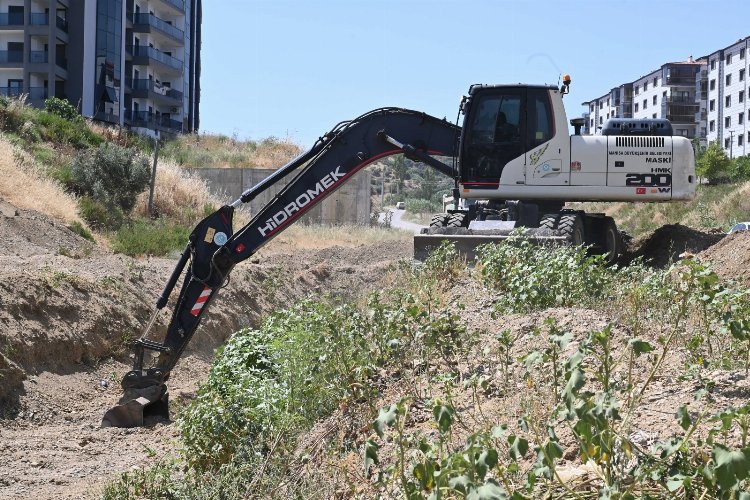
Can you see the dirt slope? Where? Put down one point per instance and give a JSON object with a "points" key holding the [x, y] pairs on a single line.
{"points": [[730, 258], [68, 310]]}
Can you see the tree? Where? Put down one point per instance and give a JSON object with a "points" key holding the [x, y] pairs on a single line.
{"points": [[740, 169], [398, 167], [713, 163]]}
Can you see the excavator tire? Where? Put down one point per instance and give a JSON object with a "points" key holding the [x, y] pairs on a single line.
{"points": [[612, 241], [439, 220], [458, 220], [548, 221], [571, 226]]}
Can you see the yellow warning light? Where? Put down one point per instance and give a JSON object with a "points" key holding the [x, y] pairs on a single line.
{"points": [[566, 79]]}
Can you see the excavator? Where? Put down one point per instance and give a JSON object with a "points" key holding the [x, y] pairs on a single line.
{"points": [[514, 164]]}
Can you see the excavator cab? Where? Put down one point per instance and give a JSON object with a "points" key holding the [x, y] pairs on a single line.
{"points": [[502, 123]]}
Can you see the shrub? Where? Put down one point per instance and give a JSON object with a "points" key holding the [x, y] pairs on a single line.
{"points": [[111, 174], [145, 237], [536, 277], [62, 108], [99, 216]]}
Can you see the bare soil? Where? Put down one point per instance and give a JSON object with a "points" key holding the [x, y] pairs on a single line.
{"points": [[68, 310], [664, 245]]}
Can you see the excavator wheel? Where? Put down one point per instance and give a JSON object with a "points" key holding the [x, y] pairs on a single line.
{"points": [[571, 226], [612, 241], [439, 220], [458, 219]]}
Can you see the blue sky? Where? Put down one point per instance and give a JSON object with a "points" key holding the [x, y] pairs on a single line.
{"points": [[295, 68]]}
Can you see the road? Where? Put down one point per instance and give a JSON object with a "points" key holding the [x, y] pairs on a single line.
{"points": [[399, 223]]}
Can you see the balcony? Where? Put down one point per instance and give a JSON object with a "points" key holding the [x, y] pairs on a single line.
{"points": [[176, 4], [8, 19], [11, 91], [678, 99], [106, 117], [144, 23], [681, 117], [39, 19], [143, 55], [62, 24], [38, 57], [38, 95], [153, 121], [148, 88], [681, 80], [11, 56]]}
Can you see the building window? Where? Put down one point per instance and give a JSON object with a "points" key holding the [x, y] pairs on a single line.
{"points": [[729, 58], [712, 84], [592, 108], [592, 123], [713, 64], [742, 75], [727, 122], [712, 104], [741, 96], [654, 101], [656, 81], [728, 101], [636, 107], [645, 103], [712, 125], [739, 140], [645, 86], [601, 104], [729, 79], [653, 116], [740, 118], [742, 53], [637, 89], [607, 102], [726, 143]]}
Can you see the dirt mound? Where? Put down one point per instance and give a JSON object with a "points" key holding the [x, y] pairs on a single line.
{"points": [[730, 258], [664, 245], [27, 232]]}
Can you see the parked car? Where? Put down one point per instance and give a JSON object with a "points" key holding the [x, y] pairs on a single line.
{"points": [[400, 205], [740, 226]]}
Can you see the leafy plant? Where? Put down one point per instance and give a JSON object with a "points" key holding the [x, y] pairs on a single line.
{"points": [[62, 108], [111, 174]]}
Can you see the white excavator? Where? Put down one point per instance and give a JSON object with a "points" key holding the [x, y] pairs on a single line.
{"points": [[514, 165]]}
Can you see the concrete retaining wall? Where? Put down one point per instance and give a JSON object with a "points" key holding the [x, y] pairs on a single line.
{"points": [[348, 204]]}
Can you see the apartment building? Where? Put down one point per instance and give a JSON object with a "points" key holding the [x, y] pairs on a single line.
{"points": [[668, 92], [727, 98], [133, 63], [705, 98]]}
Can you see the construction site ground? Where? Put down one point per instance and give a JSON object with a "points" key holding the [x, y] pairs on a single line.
{"points": [[68, 310]]}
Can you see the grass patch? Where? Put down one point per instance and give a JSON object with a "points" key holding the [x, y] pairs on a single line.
{"points": [[81, 230], [144, 237]]}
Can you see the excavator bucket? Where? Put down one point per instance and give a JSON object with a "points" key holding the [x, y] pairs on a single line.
{"points": [[137, 406]]}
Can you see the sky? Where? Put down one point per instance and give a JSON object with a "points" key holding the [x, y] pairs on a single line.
{"points": [[293, 69]]}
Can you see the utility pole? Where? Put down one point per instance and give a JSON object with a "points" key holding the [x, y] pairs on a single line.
{"points": [[153, 179], [382, 187]]}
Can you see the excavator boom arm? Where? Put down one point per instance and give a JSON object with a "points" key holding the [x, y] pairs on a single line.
{"points": [[214, 249]]}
